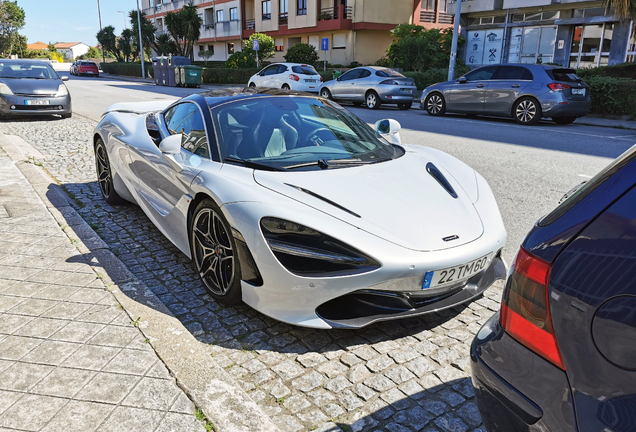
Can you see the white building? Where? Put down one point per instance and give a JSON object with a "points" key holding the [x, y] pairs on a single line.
{"points": [[71, 50]]}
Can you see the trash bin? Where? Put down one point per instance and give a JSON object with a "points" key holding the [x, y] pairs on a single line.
{"points": [[336, 74], [173, 62], [192, 76], [177, 76], [157, 67]]}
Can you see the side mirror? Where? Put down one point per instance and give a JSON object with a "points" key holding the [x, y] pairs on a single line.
{"points": [[171, 144], [64, 78], [462, 80], [339, 79], [389, 127]]}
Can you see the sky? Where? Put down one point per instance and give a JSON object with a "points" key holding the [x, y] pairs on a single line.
{"points": [[72, 20]]}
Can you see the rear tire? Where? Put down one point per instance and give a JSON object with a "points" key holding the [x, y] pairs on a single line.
{"points": [[435, 104], [286, 87], [527, 111], [326, 93], [564, 120], [405, 105], [372, 100], [105, 175]]}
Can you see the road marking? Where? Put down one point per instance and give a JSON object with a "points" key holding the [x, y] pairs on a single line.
{"points": [[585, 176]]}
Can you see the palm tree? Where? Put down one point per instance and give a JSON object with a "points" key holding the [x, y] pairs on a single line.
{"points": [[107, 39], [185, 28], [623, 9], [125, 42], [174, 25]]}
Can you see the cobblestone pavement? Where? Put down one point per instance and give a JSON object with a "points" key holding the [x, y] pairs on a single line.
{"points": [[409, 375], [70, 358]]}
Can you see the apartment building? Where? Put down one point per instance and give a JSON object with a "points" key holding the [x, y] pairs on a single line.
{"points": [[221, 30], [571, 33]]}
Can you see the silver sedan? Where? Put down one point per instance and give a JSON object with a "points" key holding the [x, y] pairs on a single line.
{"points": [[372, 86], [522, 91]]}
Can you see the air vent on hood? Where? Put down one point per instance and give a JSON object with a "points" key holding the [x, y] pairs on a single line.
{"points": [[320, 197], [437, 175]]}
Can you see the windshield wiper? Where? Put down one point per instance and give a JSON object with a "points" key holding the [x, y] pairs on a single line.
{"points": [[324, 164], [250, 164]]}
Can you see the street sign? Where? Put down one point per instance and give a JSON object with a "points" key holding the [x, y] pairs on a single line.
{"points": [[324, 44], [255, 45]]}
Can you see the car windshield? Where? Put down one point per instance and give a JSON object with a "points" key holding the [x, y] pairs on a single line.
{"points": [[567, 75], [305, 70], [26, 70], [388, 73], [295, 132]]}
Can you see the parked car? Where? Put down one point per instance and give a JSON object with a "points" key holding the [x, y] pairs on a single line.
{"points": [[32, 87], [73, 68], [87, 68], [372, 86], [289, 76], [292, 204], [561, 353], [524, 92]]}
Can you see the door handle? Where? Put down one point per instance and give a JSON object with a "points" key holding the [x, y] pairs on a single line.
{"points": [[480, 85], [515, 86]]}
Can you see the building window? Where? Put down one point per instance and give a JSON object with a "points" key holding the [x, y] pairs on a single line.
{"points": [[233, 14], [279, 45], [340, 41], [293, 41], [536, 16], [266, 7], [301, 7], [590, 12], [219, 15], [429, 5], [591, 45], [631, 45], [230, 48]]}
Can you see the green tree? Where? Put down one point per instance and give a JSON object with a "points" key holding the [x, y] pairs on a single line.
{"points": [[125, 43], [302, 53], [416, 48], [52, 48], [266, 47], [185, 28], [20, 45], [165, 45], [240, 60], [148, 30], [107, 39], [12, 19], [206, 55], [93, 53]]}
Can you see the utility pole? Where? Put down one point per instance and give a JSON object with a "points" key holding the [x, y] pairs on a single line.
{"points": [[141, 44], [453, 58], [99, 12]]}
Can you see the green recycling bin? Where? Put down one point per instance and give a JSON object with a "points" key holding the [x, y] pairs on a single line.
{"points": [[336, 74], [191, 75], [177, 76]]}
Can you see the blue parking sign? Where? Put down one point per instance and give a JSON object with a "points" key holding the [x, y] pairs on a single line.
{"points": [[324, 44], [255, 45]]}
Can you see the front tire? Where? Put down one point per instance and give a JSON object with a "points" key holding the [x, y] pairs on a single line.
{"points": [[105, 175], [564, 120], [435, 104], [405, 105], [527, 111], [326, 93], [372, 100], [252, 85], [214, 253]]}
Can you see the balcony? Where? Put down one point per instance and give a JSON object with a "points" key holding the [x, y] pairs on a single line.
{"points": [[283, 18], [445, 18], [334, 13], [470, 6], [427, 16]]}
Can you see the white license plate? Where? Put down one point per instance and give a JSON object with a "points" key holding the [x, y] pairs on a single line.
{"points": [[36, 102], [312, 81], [455, 274], [406, 91], [578, 91]]}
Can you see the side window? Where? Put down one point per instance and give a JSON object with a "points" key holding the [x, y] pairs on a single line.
{"points": [[281, 69], [351, 75], [526, 75], [186, 119], [513, 73], [272, 70], [481, 74], [365, 73]]}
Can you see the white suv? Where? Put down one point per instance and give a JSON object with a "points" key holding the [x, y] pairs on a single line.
{"points": [[293, 76]]}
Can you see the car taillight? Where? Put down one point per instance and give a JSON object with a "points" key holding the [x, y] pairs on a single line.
{"points": [[558, 87], [294, 77], [390, 82], [321, 78], [525, 307]]}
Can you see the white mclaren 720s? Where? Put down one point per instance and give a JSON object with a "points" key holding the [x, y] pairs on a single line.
{"points": [[293, 205]]}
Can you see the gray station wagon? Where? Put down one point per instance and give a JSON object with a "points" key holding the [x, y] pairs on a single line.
{"points": [[525, 92]]}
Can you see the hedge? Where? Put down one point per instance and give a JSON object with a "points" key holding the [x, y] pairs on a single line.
{"points": [[127, 69], [615, 96], [434, 76], [623, 70], [227, 75]]}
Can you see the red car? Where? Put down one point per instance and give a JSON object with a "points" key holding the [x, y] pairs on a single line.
{"points": [[87, 68]]}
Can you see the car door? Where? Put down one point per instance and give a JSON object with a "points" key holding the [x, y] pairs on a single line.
{"points": [[504, 87], [164, 180], [469, 94], [265, 76], [593, 307], [364, 82], [280, 77], [345, 88]]}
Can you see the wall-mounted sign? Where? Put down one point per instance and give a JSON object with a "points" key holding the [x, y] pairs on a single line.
{"points": [[515, 44], [561, 44], [492, 46], [475, 47]]}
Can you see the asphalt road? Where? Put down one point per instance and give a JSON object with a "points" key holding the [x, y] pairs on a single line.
{"points": [[528, 168]]}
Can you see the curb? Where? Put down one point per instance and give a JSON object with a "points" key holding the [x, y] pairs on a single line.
{"points": [[209, 386]]}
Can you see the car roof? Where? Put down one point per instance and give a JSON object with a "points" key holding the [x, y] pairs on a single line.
{"points": [[217, 97]]}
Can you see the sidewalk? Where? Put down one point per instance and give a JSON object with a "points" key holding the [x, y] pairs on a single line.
{"points": [[71, 359]]}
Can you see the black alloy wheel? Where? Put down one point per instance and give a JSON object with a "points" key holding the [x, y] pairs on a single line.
{"points": [[527, 111], [214, 253], [105, 175], [435, 104], [405, 105], [325, 93], [372, 100], [252, 85], [564, 120]]}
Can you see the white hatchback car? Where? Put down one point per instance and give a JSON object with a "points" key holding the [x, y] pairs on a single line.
{"points": [[291, 76]]}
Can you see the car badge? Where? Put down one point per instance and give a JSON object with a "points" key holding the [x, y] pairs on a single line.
{"points": [[450, 238]]}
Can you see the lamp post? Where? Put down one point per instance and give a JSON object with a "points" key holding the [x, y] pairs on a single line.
{"points": [[451, 66], [123, 12], [141, 44], [99, 12]]}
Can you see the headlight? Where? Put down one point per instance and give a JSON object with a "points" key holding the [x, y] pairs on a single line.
{"points": [[307, 252], [5, 90], [61, 90]]}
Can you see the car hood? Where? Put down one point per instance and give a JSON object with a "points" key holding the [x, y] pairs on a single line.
{"points": [[32, 86], [396, 200]]}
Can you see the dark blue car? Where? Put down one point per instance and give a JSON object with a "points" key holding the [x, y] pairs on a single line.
{"points": [[561, 353]]}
